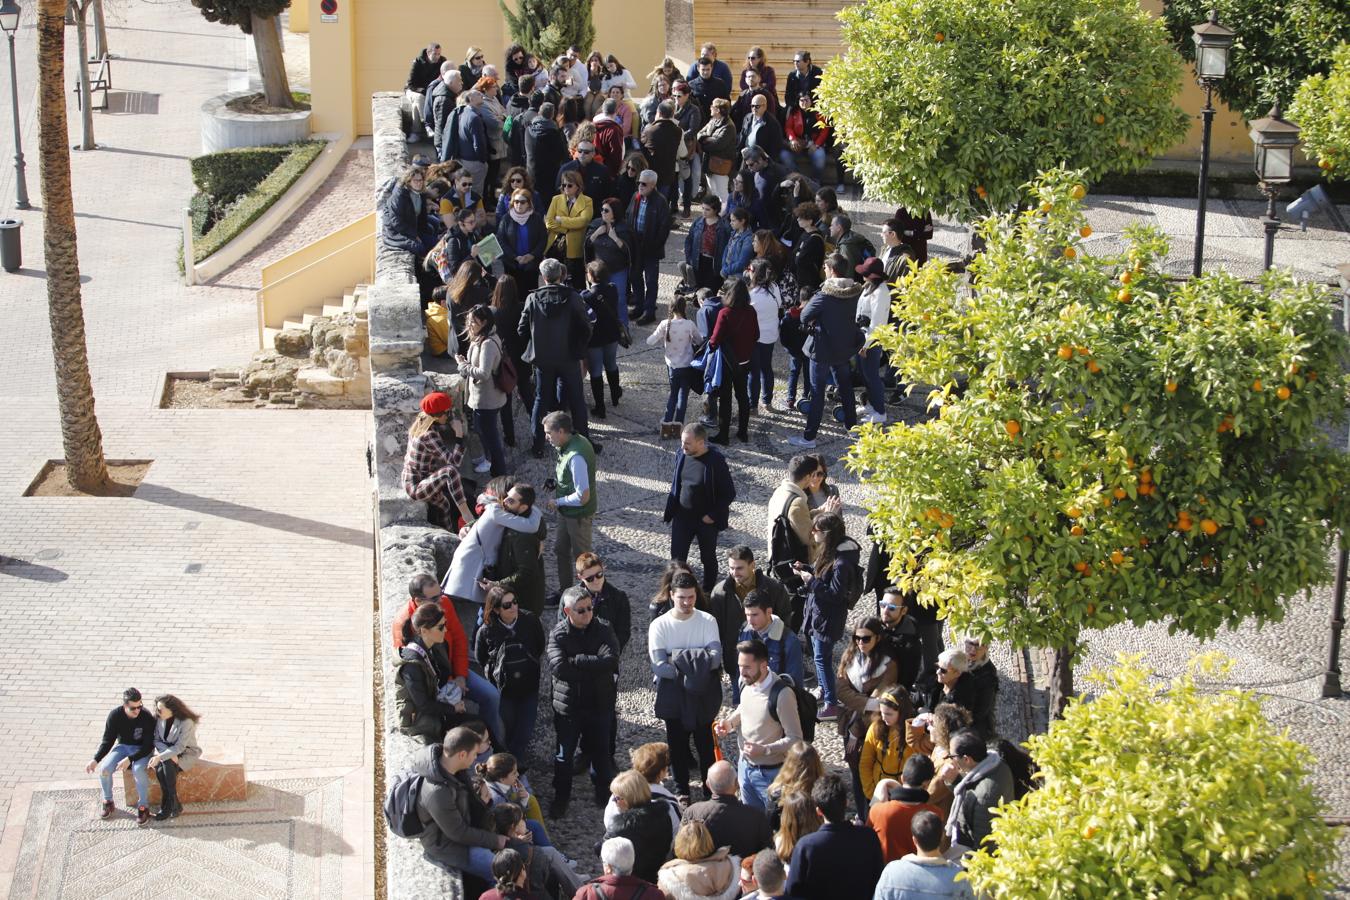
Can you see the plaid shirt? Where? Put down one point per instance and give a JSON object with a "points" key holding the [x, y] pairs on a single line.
{"points": [[427, 454]]}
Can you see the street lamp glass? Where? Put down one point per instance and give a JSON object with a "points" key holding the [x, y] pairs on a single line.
{"points": [[9, 15], [1274, 138], [1212, 42], [1211, 62]]}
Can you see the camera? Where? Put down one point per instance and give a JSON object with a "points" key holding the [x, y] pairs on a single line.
{"points": [[550, 484]]}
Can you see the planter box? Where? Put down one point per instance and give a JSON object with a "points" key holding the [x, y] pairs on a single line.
{"points": [[223, 129]]}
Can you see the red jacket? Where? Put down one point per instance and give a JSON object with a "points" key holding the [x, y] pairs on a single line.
{"points": [[609, 148], [456, 643], [736, 331], [619, 887], [796, 128]]}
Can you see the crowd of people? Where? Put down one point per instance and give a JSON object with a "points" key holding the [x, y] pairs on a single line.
{"points": [[539, 224]]}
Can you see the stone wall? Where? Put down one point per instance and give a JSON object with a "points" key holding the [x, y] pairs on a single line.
{"points": [[407, 545]]}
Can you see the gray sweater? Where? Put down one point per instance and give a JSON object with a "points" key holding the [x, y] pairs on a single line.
{"points": [[484, 358]]}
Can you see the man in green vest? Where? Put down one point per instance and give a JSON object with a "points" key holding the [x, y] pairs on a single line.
{"points": [[574, 494]]}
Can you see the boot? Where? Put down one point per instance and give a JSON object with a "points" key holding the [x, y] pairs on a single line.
{"points": [[615, 390], [598, 390]]}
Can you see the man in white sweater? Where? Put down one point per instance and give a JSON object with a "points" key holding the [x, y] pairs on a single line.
{"points": [[767, 720], [686, 655]]}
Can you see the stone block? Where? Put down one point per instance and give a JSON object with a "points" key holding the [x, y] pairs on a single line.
{"points": [[398, 395], [356, 344], [340, 364], [292, 342], [397, 506], [320, 381], [220, 776], [226, 373]]}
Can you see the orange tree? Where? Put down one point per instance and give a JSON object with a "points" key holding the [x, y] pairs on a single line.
{"points": [[1126, 448], [945, 104], [1322, 109]]}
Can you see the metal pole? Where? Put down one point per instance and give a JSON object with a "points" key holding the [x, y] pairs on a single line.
{"points": [[1331, 684], [1271, 223], [1207, 116], [20, 184]]}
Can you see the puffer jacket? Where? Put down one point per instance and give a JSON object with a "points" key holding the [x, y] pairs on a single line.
{"points": [[555, 323], [832, 316], [713, 878], [827, 596], [545, 152], [649, 828], [584, 663]]}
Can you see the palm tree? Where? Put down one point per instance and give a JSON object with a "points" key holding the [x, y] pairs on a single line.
{"points": [[81, 437]]}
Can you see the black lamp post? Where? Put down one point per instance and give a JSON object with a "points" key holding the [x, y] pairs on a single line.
{"points": [[1212, 42], [1274, 138], [9, 21]]}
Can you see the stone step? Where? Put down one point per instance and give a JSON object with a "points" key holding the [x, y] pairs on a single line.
{"points": [[332, 310], [310, 314], [316, 380]]}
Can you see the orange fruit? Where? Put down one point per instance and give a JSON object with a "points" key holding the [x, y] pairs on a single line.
{"points": [[1283, 392], [1070, 253], [1073, 512], [1085, 231], [1093, 367], [1090, 831], [1119, 493], [980, 191], [1076, 531], [1293, 370], [939, 37], [947, 521], [1129, 462], [1258, 386], [1124, 295], [1117, 557], [1083, 351], [1209, 527], [1145, 489], [1099, 119], [1013, 427], [1081, 567], [1091, 608], [1258, 521], [1126, 277], [1078, 192], [1171, 387], [933, 514], [1146, 476], [1046, 206], [1065, 352], [1206, 560], [1106, 502], [1143, 542]]}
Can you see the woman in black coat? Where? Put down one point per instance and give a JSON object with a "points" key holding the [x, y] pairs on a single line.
{"points": [[522, 234], [510, 646], [602, 353], [643, 821], [610, 242], [809, 258]]}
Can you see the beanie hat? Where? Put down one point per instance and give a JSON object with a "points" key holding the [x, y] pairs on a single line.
{"points": [[436, 404]]}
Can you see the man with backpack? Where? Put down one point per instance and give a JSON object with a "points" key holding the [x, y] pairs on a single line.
{"points": [[835, 339], [785, 650], [766, 720], [789, 537], [433, 804]]}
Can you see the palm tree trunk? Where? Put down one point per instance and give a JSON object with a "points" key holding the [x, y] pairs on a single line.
{"points": [[271, 61], [81, 437]]}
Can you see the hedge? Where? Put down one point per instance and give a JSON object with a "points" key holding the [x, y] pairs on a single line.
{"points": [[249, 207], [230, 174]]}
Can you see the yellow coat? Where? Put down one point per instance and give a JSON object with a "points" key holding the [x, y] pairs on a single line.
{"points": [[573, 224], [880, 762]]}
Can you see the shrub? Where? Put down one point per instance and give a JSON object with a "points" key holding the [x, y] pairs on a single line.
{"points": [[1127, 449], [202, 214], [230, 174], [952, 105], [248, 208], [548, 27], [1322, 109], [1155, 790]]}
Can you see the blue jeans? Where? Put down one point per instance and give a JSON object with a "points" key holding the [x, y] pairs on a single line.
{"points": [[488, 423], [695, 179], [109, 764], [518, 717], [761, 372], [823, 653], [843, 380], [538, 833], [755, 781], [816, 154], [600, 360], [799, 366], [620, 282], [871, 371], [480, 864], [646, 286], [482, 692], [678, 400], [551, 384]]}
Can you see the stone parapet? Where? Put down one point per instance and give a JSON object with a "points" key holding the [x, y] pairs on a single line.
{"points": [[218, 777]]}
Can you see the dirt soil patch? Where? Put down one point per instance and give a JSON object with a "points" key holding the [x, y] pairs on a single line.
{"points": [[124, 477], [256, 104], [195, 393]]}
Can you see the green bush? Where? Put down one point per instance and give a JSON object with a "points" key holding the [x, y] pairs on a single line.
{"points": [[230, 174], [249, 207], [1322, 109], [202, 214]]}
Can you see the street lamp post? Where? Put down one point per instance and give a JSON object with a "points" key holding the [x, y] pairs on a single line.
{"points": [[1212, 42], [9, 21], [1274, 139]]}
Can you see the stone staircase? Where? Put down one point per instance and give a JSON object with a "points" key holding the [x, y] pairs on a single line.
{"points": [[317, 359]]}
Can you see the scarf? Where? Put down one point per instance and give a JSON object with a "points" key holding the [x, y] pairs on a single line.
{"points": [[967, 782], [520, 218]]}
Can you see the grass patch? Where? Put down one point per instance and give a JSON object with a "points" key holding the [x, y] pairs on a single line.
{"points": [[246, 210]]}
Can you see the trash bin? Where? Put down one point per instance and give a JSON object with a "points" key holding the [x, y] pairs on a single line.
{"points": [[11, 249]]}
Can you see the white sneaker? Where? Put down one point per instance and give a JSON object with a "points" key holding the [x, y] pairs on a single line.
{"points": [[798, 441], [874, 417], [412, 138], [481, 465]]}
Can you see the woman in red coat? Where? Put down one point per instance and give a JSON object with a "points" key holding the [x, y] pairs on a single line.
{"points": [[735, 333]]}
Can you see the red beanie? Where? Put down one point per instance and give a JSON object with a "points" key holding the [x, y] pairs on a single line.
{"points": [[436, 404]]}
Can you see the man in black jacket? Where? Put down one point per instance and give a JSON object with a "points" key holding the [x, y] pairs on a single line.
{"points": [[128, 736], [453, 838], [661, 142], [705, 88], [545, 151], [595, 179], [840, 859], [900, 636], [726, 599], [648, 220], [731, 823], [555, 324], [803, 79], [442, 97], [768, 175], [761, 130], [425, 69], [698, 505], [583, 657], [835, 339]]}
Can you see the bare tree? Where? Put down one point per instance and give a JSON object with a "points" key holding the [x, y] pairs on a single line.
{"points": [[79, 10], [81, 437]]}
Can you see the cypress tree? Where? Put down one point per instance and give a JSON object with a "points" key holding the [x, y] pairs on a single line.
{"points": [[547, 28]]}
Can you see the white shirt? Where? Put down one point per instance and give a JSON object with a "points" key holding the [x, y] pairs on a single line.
{"points": [[668, 634], [580, 80], [679, 350], [875, 304], [765, 301]]}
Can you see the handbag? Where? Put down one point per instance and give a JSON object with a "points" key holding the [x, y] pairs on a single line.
{"points": [[557, 248], [719, 165]]}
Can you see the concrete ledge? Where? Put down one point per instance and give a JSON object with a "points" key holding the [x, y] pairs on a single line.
{"points": [[287, 204], [220, 777], [224, 129]]}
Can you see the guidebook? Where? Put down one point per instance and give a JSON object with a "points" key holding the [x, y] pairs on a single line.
{"points": [[489, 250]]}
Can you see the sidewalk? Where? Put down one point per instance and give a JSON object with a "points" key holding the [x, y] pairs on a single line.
{"points": [[239, 575]]}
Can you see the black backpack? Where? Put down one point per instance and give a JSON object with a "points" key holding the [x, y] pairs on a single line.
{"points": [[1023, 767], [806, 704], [513, 670], [400, 805], [785, 548]]}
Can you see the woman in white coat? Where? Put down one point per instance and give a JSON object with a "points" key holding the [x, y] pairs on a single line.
{"points": [[176, 751]]}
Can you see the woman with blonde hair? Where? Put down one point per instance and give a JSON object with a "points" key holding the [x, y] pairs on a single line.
{"points": [[176, 750], [700, 870], [801, 770], [568, 216], [431, 464], [472, 69], [930, 734], [799, 818], [642, 821]]}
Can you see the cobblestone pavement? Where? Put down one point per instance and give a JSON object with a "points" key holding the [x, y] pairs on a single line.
{"points": [[239, 575]]}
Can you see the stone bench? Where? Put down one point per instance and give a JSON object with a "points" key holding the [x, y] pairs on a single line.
{"points": [[217, 776]]}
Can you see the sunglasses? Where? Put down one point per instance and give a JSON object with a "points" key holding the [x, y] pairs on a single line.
{"points": [[588, 579], [583, 610], [943, 670], [520, 203], [136, 707], [889, 606], [585, 149], [864, 638], [507, 604], [517, 180]]}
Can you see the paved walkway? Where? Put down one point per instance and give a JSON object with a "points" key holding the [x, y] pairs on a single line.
{"points": [[238, 576]]}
